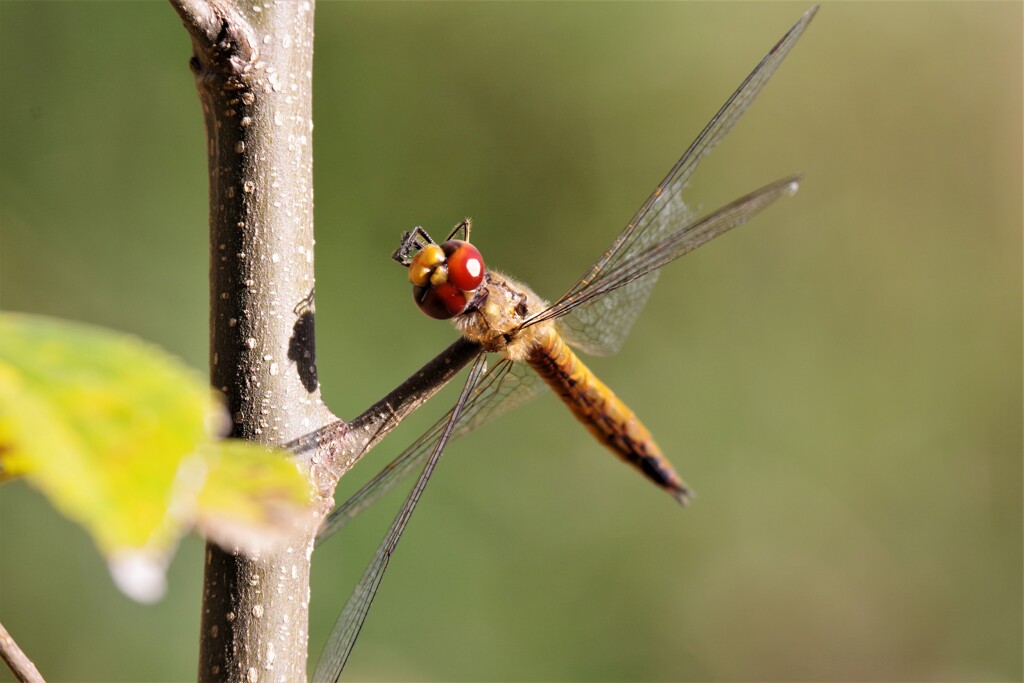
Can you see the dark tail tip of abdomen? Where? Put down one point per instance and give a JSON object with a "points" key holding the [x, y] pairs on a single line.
{"points": [[683, 494]]}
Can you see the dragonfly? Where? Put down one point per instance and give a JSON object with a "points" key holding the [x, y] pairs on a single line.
{"points": [[535, 339]]}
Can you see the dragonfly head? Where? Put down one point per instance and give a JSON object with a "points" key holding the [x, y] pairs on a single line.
{"points": [[444, 276]]}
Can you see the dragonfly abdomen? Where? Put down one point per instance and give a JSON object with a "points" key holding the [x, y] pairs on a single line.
{"points": [[609, 419]]}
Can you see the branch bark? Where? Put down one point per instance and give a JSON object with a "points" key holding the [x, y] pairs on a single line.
{"points": [[16, 659], [338, 446], [253, 69]]}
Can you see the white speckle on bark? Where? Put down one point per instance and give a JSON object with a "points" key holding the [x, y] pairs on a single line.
{"points": [[251, 342], [271, 655], [257, 611]]}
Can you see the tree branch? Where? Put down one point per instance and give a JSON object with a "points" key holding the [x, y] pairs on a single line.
{"points": [[253, 69], [335, 448], [199, 18], [256, 96], [16, 660]]}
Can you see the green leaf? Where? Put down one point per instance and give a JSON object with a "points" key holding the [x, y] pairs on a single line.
{"points": [[122, 438], [252, 497]]}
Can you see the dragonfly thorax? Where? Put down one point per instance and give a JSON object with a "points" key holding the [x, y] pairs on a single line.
{"points": [[495, 317]]}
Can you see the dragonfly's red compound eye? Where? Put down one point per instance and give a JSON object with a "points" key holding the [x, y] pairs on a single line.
{"points": [[444, 277], [465, 265], [442, 301]]}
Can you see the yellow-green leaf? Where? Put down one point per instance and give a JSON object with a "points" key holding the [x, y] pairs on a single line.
{"points": [[252, 498], [122, 438]]}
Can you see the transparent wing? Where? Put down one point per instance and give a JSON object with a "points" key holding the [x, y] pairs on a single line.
{"points": [[601, 326], [671, 247], [350, 622], [505, 386]]}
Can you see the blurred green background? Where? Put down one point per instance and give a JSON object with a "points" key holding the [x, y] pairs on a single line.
{"points": [[840, 381]]}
